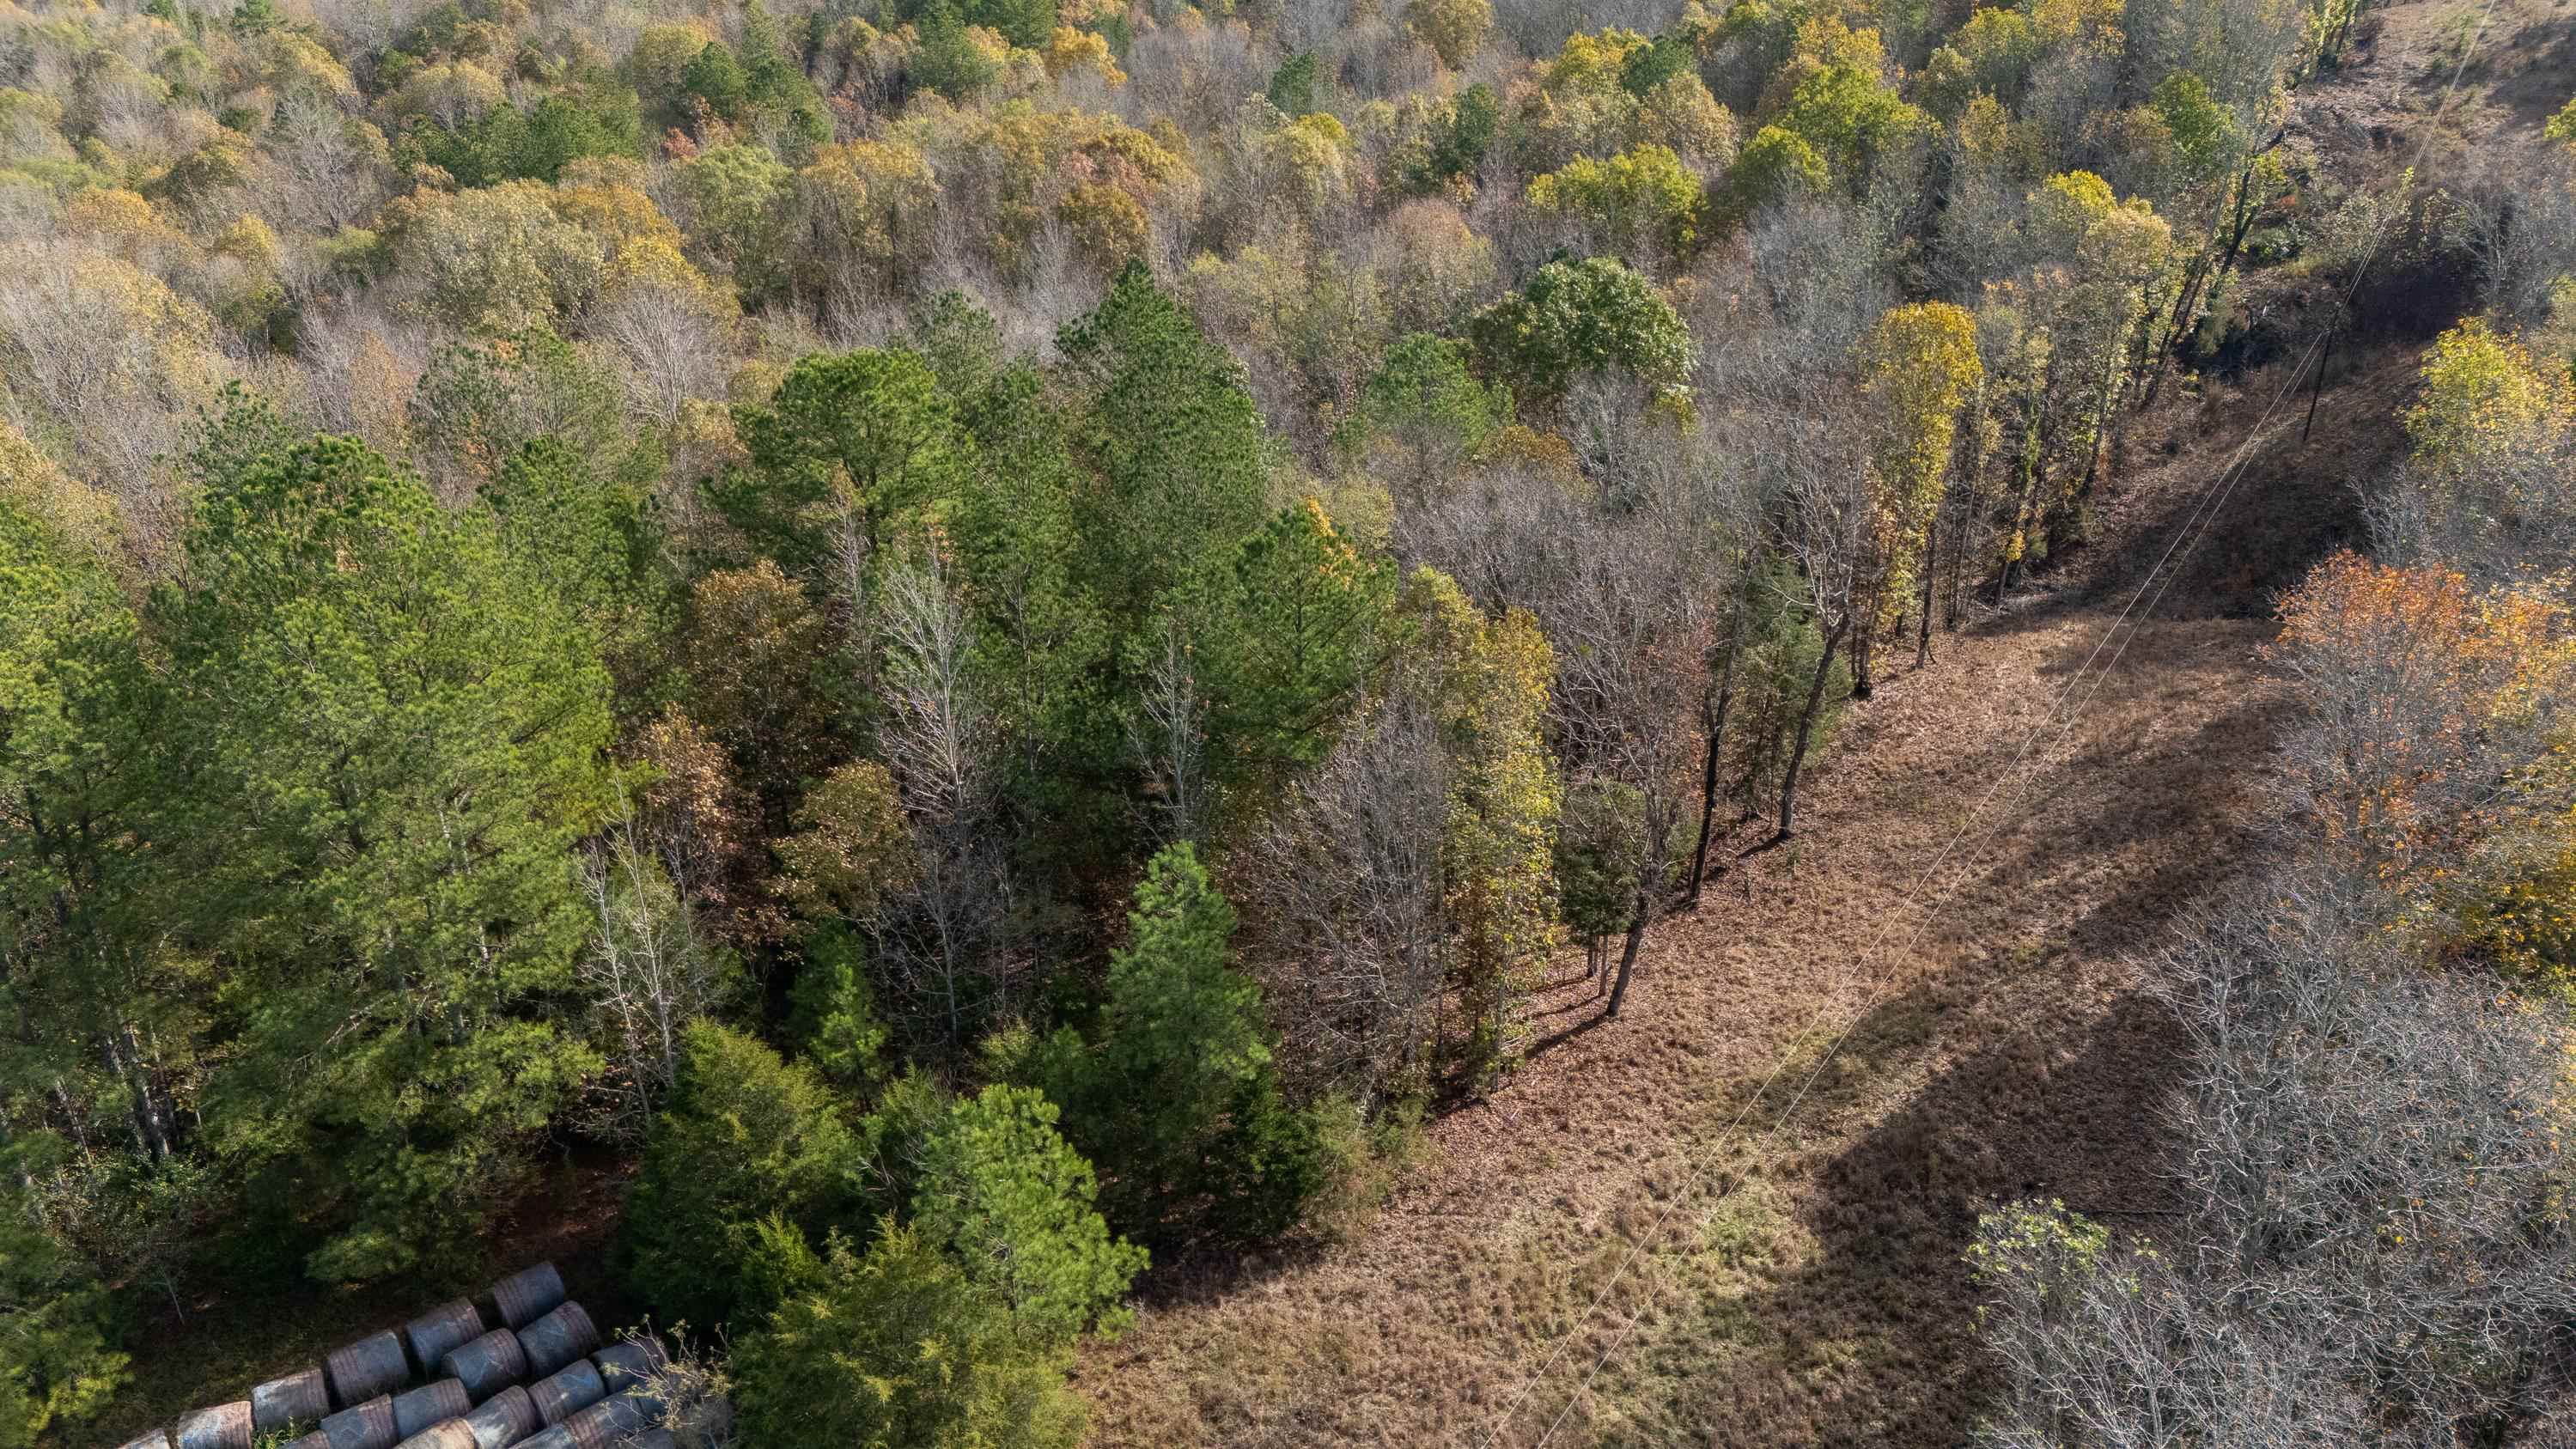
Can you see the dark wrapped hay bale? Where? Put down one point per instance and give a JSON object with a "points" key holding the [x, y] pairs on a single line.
{"points": [[606, 1424], [630, 1364], [442, 1328], [315, 1440], [488, 1364], [363, 1426], [506, 1418], [446, 1434], [369, 1367], [430, 1404], [575, 1388], [558, 1437], [301, 1397], [528, 1295], [225, 1426], [558, 1339], [155, 1439]]}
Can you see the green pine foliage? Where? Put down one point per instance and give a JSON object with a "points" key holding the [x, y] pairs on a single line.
{"points": [[392, 741], [1174, 1092], [1423, 398], [1001, 1192], [748, 1137], [1285, 638], [852, 444], [59, 1363], [899, 1347], [1173, 439], [507, 143]]}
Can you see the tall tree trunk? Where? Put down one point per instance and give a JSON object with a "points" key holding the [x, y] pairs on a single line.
{"points": [[1931, 571], [2325, 355], [1717, 729], [147, 1108], [2022, 520], [1628, 955], [2241, 202], [1806, 730]]}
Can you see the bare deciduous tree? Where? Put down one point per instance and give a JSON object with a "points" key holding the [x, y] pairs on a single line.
{"points": [[1343, 891], [647, 975], [944, 933]]}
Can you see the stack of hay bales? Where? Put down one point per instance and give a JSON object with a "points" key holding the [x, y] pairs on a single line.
{"points": [[471, 1391]]}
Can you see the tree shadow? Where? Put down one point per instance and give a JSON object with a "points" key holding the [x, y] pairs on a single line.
{"points": [[1866, 1336], [2546, 50], [1541, 1046]]}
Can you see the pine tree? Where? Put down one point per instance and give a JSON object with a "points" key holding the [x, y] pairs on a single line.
{"points": [[1007, 1197], [900, 1348], [747, 1137], [1174, 439], [1175, 1094], [389, 741], [1286, 637], [851, 444]]}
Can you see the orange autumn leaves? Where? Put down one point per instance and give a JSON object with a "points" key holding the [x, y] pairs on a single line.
{"points": [[2441, 773]]}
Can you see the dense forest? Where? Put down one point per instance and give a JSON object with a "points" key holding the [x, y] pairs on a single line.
{"points": [[985, 648]]}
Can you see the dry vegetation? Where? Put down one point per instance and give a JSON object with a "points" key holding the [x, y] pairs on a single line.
{"points": [[1714, 1220]]}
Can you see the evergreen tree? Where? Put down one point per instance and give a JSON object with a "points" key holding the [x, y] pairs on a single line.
{"points": [[1285, 638], [1004, 1195], [389, 741], [900, 1348], [1175, 441], [851, 443], [1175, 1094], [593, 541], [747, 1137], [1042, 642], [77, 752], [948, 60], [58, 1363]]}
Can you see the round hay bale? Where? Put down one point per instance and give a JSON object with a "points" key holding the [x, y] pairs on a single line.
{"points": [[487, 1364], [606, 1424], [503, 1419], [225, 1426], [315, 1440], [430, 1404], [506, 1418], [559, 1338], [151, 1439], [630, 1364], [446, 1434], [363, 1426], [558, 1437], [433, 1333], [574, 1388], [369, 1367], [653, 1439], [301, 1397], [527, 1295]]}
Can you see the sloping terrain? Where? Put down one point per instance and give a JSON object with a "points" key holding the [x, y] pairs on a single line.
{"points": [[1637, 1241], [1796, 1280]]}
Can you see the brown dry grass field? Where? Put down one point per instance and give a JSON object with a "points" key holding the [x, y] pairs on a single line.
{"points": [[1600, 1254], [1796, 1281]]}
